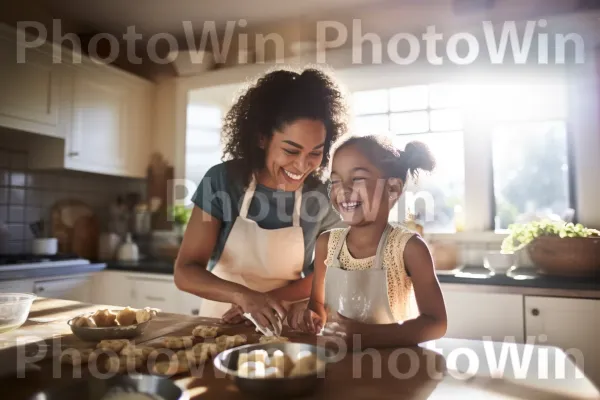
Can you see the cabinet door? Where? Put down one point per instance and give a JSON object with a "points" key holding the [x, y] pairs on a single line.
{"points": [[75, 288], [112, 288], [97, 142], [156, 293], [479, 315], [30, 90], [570, 324], [139, 135], [189, 304]]}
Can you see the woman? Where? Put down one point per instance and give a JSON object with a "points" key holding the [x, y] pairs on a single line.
{"points": [[249, 244]]}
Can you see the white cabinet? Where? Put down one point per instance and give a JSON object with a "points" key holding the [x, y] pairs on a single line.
{"points": [[479, 315], [98, 138], [156, 292], [76, 288], [189, 304], [570, 324], [29, 97], [111, 288]]}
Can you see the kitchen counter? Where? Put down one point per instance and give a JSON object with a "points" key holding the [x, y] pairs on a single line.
{"points": [[522, 280], [145, 265], [431, 370], [8, 273]]}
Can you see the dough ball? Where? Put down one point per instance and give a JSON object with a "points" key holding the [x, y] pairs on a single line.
{"points": [[281, 361], [226, 342], [105, 318], [273, 339], [145, 314], [142, 352], [206, 331], [123, 364], [76, 357], [251, 369], [255, 356], [176, 343], [126, 316], [273, 372], [306, 365], [115, 345]]}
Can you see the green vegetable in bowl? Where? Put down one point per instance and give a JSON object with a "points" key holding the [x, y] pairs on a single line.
{"points": [[520, 235]]}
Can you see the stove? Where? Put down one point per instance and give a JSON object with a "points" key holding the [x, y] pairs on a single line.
{"points": [[10, 262]]}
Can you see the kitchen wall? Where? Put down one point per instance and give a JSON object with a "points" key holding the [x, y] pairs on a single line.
{"points": [[27, 195]]}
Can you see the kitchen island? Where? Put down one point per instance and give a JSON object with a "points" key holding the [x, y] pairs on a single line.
{"points": [[446, 368]]}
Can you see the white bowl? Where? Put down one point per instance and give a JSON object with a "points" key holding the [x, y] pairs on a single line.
{"points": [[498, 262]]}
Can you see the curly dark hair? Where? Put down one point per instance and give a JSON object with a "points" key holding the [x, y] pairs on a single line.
{"points": [[276, 99]]}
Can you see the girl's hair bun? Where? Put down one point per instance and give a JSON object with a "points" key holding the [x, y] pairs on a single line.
{"points": [[417, 156]]}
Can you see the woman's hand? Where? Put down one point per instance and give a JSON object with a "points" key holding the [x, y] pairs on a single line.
{"points": [[266, 311], [234, 316]]}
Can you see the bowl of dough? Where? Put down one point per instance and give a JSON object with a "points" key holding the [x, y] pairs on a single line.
{"points": [[277, 369], [112, 324]]}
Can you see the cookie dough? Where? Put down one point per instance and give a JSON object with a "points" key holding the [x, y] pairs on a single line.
{"points": [[204, 351], [228, 342], [132, 350], [115, 345], [281, 361], [206, 332], [76, 357], [176, 343], [273, 339], [306, 365], [123, 364], [126, 316], [254, 356], [176, 365]]}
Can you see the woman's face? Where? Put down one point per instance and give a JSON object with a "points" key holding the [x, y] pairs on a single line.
{"points": [[359, 191], [293, 153]]}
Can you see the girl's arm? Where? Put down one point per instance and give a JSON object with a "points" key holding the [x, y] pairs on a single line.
{"points": [[429, 325]]}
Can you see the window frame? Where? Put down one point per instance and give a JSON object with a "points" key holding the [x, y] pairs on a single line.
{"points": [[479, 200]]}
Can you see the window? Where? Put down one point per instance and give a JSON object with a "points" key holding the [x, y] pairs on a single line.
{"points": [[430, 114], [202, 148], [525, 135], [530, 154]]}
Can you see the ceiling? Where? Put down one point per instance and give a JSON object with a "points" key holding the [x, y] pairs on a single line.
{"points": [[157, 16]]}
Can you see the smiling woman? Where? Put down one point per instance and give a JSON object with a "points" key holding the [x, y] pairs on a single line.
{"points": [[249, 245]]}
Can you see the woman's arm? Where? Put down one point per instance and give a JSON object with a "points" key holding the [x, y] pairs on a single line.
{"points": [[429, 325], [192, 276]]}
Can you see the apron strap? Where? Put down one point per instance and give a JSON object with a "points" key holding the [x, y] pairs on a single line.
{"points": [[382, 242], [250, 193], [340, 245], [248, 197]]}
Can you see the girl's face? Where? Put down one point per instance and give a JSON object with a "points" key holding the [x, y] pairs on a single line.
{"points": [[359, 191], [293, 154]]}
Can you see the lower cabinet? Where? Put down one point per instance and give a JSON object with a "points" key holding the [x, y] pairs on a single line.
{"points": [[570, 324], [478, 316]]}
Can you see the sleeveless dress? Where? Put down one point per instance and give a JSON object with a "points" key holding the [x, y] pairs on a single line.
{"points": [[376, 289]]}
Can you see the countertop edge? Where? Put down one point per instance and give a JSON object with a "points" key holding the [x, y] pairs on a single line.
{"points": [[51, 272]]}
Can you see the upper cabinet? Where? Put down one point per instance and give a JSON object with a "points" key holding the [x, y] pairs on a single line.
{"points": [[101, 114], [29, 98]]}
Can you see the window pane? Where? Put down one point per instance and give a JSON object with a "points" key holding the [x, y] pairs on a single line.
{"points": [[446, 120], [370, 102], [531, 173], [371, 124], [446, 96], [203, 116], [408, 98], [434, 196], [409, 122]]}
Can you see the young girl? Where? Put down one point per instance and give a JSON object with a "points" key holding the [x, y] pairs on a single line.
{"points": [[367, 275]]}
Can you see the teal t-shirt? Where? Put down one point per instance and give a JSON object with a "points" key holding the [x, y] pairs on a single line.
{"points": [[221, 196]]}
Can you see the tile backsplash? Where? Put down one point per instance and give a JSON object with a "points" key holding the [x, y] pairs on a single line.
{"points": [[27, 196]]}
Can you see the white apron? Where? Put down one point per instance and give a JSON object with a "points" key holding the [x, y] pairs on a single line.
{"points": [[260, 259], [359, 295]]}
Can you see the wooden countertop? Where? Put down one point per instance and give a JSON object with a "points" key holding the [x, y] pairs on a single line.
{"points": [[446, 368]]}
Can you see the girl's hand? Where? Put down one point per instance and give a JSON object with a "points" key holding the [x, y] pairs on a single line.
{"points": [[265, 310], [305, 320]]}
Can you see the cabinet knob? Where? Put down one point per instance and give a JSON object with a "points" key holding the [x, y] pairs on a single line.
{"points": [[73, 154], [535, 312], [195, 311]]}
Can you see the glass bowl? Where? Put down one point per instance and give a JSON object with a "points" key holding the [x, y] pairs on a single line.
{"points": [[14, 309]]}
